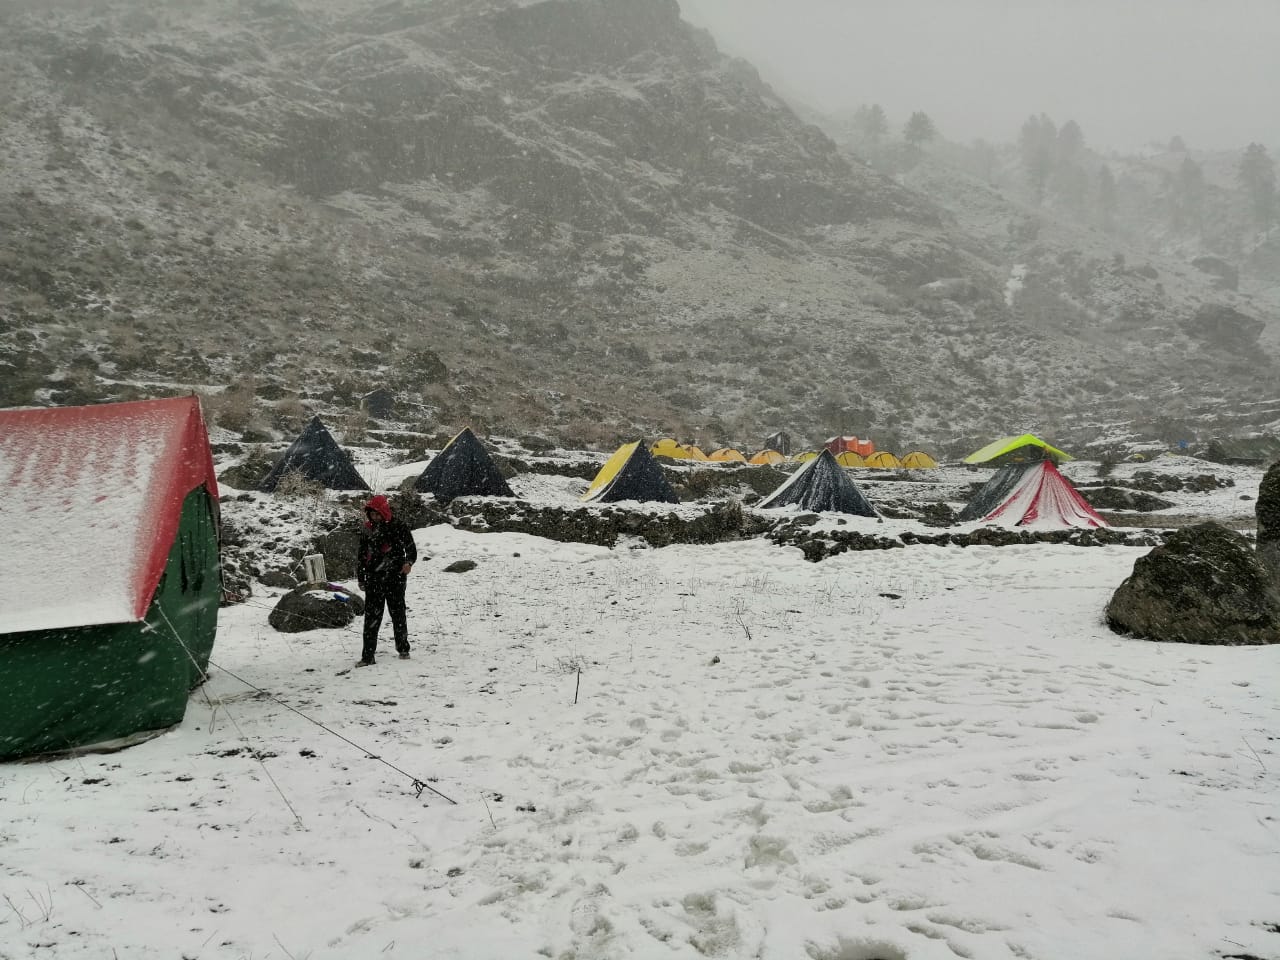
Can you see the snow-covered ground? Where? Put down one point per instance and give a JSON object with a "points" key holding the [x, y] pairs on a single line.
{"points": [[719, 751]]}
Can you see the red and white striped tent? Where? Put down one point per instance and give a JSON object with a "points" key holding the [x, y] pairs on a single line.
{"points": [[1043, 497]]}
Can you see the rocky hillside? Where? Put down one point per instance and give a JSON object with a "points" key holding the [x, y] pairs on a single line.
{"points": [[573, 218]]}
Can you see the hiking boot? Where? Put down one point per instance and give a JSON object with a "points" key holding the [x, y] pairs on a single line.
{"points": [[404, 654], [364, 663]]}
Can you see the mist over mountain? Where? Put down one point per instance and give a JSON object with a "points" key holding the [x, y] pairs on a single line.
{"points": [[577, 218]]}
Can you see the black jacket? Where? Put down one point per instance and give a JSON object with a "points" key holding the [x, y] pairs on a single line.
{"points": [[384, 549]]}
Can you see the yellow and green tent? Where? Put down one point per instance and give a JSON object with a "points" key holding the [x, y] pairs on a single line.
{"points": [[1024, 448]]}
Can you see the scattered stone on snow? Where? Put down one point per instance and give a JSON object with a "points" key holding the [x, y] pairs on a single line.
{"points": [[310, 608]]}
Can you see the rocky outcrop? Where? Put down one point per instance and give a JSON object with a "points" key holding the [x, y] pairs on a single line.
{"points": [[1225, 276], [1267, 511], [1225, 327], [1204, 585]]}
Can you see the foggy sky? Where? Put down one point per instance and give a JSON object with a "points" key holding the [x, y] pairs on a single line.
{"points": [[1128, 71]]}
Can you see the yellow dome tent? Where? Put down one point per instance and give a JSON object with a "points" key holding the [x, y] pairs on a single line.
{"points": [[727, 455], [691, 452], [850, 459], [767, 458], [804, 457], [667, 447], [883, 460], [919, 461]]}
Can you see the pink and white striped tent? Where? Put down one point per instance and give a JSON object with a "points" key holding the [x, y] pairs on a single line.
{"points": [[1043, 497]]}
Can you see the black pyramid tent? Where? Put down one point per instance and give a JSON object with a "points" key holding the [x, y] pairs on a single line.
{"points": [[780, 441], [821, 484], [317, 456], [630, 474], [993, 493], [463, 468]]}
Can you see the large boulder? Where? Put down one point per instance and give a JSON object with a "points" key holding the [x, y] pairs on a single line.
{"points": [[1267, 510], [1206, 585], [315, 607], [1225, 327]]}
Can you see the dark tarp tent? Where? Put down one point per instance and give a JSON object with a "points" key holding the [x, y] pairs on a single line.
{"points": [[316, 456], [992, 493], [109, 575], [821, 485], [630, 474], [780, 441], [463, 468]]}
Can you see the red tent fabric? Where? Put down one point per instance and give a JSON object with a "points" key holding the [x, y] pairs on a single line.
{"points": [[90, 502], [839, 445], [1044, 497]]}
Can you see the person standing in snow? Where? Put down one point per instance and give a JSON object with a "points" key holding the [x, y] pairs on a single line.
{"points": [[387, 554]]}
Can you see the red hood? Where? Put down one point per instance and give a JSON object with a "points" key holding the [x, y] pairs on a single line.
{"points": [[381, 505]]}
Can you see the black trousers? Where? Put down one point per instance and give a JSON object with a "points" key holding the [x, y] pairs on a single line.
{"points": [[388, 591]]}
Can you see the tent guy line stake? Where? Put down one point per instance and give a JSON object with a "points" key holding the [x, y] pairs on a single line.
{"points": [[418, 784], [256, 754]]}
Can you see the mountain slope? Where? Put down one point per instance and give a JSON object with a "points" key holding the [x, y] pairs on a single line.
{"points": [[573, 217]]}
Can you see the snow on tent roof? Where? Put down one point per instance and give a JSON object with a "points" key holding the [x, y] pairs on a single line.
{"points": [[821, 484], [1019, 447], [90, 500]]}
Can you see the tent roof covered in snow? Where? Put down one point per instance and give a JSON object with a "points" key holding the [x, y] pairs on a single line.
{"points": [[90, 502], [109, 572], [463, 468], [1024, 448], [317, 457], [1031, 494], [821, 484], [630, 474]]}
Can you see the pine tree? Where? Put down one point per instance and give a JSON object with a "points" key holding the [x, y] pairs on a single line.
{"points": [[1188, 197], [1257, 175], [919, 129], [871, 122], [1038, 146], [1106, 198]]}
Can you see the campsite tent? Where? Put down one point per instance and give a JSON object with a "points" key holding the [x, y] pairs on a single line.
{"points": [[767, 458], [630, 474], [919, 461], [883, 460], [821, 484], [838, 445], [780, 441], [848, 459], [1024, 448], [379, 402], [727, 455], [109, 575], [317, 457], [463, 468], [667, 447], [806, 456], [1032, 494], [690, 451]]}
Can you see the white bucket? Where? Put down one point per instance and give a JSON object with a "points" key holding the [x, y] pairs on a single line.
{"points": [[313, 568]]}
